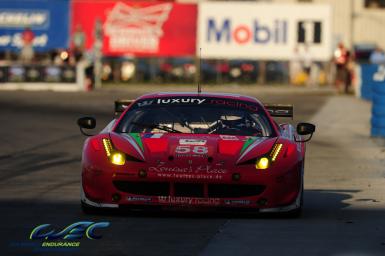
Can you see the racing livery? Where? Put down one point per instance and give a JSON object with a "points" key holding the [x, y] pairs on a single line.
{"points": [[195, 150]]}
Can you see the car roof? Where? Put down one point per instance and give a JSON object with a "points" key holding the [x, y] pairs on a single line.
{"points": [[202, 94]]}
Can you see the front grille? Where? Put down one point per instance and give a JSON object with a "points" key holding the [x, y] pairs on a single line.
{"points": [[230, 190], [143, 188], [189, 189]]}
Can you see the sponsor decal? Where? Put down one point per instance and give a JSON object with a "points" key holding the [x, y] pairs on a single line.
{"points": [[202, 172], [256, 32], [200, 101], [136, 28], [192, 142], [48, 20], [181, 101], [138, 199], [228, 137], [237, 202], [188, 176], [247, 30], [16, 40], [189, 200], [189, 155], [17, 18], [210, 170], [153, 135], [145, 103], [202, 169], [309, 32], [175, 169], [234, 104]]}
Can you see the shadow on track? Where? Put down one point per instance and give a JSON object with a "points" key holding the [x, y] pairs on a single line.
{"points": [[170, 232]]}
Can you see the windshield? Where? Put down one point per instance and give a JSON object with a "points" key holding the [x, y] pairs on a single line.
{"points": [[195, 115]]}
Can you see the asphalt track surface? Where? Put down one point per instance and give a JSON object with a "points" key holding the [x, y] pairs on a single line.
{"points": [[40, 180]]}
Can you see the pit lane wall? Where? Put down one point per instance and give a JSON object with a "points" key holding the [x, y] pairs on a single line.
{"points": [[371, 86], [50, 23], [44, 77]]}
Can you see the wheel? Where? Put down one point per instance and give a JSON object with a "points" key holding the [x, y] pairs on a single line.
{"points": [[296, 213], [88, 209]]}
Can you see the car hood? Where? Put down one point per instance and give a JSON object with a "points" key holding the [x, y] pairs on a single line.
{"points": [[191, 148]]}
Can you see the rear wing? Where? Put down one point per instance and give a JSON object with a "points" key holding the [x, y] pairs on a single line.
{"points": [[121, 105], [280, 110]]}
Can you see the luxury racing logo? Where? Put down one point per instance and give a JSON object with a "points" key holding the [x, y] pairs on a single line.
{"points": [[198, 101], [69, 234]]}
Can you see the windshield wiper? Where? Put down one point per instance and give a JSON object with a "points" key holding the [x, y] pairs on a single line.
{"points": [[157, 126]]}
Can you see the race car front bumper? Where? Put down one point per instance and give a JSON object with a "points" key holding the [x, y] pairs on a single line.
{"points": [[275, 194]]}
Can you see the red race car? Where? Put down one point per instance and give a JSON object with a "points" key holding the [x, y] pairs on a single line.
{"points": [[195, 150]]}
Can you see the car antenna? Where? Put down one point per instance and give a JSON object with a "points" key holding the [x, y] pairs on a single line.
{"points": [[200, 70]]}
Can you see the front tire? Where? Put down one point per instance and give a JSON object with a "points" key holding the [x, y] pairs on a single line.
{"points": [[88, 209], [296, 213]]}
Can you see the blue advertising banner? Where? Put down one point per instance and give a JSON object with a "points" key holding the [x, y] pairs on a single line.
{"points": [[48, 20], [371, 75]]}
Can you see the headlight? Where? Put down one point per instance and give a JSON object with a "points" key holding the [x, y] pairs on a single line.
{"points": [[118, 158], [274, 153], [262, 163], [115, 157]]}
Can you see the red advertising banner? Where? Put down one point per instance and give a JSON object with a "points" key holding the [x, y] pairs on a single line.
{"points": [[138, 28]]}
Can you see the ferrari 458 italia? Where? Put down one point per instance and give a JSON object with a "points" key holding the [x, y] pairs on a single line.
{"points": [[195, 150]]}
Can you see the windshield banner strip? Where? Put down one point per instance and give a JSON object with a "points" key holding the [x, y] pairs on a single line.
{"points": [[185, 100]]}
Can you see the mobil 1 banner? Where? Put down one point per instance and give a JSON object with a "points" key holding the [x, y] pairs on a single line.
{"points": [[246, 30]]}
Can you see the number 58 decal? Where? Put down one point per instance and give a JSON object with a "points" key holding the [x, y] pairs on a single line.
{"points": [[185, 149]]}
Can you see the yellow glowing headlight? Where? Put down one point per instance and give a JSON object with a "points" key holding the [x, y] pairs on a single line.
{"points": [[277, 148], [118, 158], [107, 147], [262, 163]]}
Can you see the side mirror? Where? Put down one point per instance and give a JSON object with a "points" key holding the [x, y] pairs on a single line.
{"points": [[86, 122], [305, 129]]}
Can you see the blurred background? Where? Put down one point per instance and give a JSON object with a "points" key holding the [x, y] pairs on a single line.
{"points": [[84, 44], [62, 59]]}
